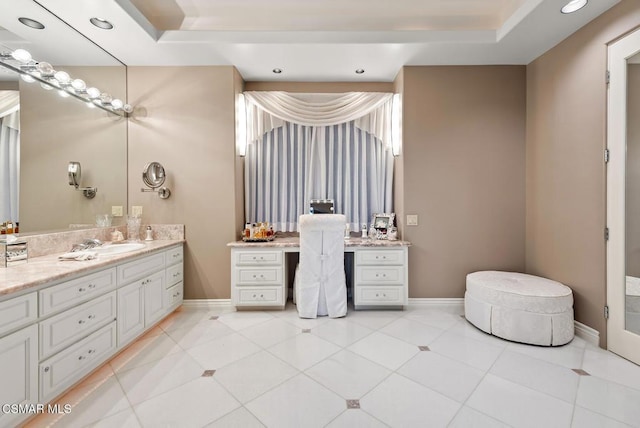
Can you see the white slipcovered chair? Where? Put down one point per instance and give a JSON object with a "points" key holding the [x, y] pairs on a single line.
{"points": [[320, 287]]}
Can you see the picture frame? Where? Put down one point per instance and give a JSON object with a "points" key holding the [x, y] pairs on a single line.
{"points": [[382, 222]]}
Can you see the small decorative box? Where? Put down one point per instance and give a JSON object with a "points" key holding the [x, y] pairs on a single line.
{"points": [[13, 253]]}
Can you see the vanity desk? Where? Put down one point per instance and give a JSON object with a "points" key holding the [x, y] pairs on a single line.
{"points": [[380, 272]]}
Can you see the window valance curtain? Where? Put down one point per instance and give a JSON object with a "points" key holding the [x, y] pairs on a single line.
{"points": [[10, 109], [370, 111]]}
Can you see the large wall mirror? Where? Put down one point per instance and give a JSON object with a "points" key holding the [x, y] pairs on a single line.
{"points": [[55, 130]]}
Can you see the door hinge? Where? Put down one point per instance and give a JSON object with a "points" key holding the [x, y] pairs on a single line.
{"points": [[606, 233], [606, 312], [608, 78], [607, 155]]}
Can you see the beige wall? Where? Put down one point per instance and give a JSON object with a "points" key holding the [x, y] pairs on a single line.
{"points": [[8, 85], [463, 155], [566, 124], [185, 120], [398, 168], [56, 130]]}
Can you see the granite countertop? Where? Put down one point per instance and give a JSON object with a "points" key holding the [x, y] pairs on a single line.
{"points": [[289, 241], [45, 269]]}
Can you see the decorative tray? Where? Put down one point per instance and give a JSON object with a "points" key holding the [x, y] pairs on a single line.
{"points": [[270, 238]]}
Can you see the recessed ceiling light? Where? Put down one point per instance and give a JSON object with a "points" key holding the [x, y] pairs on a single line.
{"points": [[277, 70], [32, 23], [360, 71], [101, 23], [573, 6]]}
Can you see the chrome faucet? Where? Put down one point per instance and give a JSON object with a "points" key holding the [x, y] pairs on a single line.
{"points": [[86, 245]]}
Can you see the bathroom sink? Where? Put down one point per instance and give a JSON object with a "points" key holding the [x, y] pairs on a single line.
{"points": [[109, 250]]}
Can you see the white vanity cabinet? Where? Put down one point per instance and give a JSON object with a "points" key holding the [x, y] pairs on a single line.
{"points": [[53, 337], [257, 277], [18, 354], [174, 293], [380, 277]]}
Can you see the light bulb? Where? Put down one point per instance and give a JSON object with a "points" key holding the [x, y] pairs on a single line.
{"points": [[573, 6], [91, 105], [45, 69], [128, 108], [78, 85], [117, 104], [93, 92], [62, 77], [21, 55], [63, 94], [27, 78]]}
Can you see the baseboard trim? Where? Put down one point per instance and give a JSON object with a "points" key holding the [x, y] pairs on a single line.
{"points": [[206, 303], [455, 303], [587, 333]]}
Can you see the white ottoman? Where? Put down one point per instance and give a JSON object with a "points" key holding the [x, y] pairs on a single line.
{"points": [[519, 307]]}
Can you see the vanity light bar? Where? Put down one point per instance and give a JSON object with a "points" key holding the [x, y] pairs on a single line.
{"points": [[21, 62]]}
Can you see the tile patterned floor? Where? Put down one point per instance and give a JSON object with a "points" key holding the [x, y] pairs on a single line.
{"points": [[415, 368]]}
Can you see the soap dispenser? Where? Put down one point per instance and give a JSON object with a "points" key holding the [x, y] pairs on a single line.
{"points": [[149, 235]]}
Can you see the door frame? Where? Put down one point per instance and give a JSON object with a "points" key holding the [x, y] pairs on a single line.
{"points": [[619, 340]]}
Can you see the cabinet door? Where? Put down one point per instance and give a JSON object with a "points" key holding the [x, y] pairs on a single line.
{"points": [[154, 290], [130, 312], [18, 371]]}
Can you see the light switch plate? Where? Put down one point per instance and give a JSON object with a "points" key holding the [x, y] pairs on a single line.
{"points": [[412, 220], [136, 210], [116, 211]]}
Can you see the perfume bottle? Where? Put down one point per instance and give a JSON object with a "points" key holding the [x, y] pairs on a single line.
{"points": [[364, 230]]}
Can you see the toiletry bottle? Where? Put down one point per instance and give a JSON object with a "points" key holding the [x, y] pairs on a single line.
{"points": [[364, 230], [347, 231], [149, 236]]}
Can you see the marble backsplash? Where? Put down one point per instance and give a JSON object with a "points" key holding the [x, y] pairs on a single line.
{"points": [[62, 241]]}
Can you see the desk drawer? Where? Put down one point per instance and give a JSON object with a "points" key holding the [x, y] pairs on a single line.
{"points": [[174, 274], [380, 257], [68, 366], [174, 255], [18, 312], [260, 296], [63, 329], [246, 258], [380, 275], [260, 275], [380, 296], [70, 293]]}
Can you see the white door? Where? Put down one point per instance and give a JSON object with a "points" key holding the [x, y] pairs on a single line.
{"points": [[623, 198], [154, 290]]}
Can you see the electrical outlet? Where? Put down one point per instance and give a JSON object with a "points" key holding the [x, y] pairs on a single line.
{"points": [[412, 220], [116, 211], [136, 210]]}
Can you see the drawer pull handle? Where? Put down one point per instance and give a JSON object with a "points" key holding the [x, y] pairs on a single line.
{"points": [[177, 274], [176, 255], [81, 357], [81, 289], [254, 296], [81, 321], [91, 317], [91, 351], [46, 369], [92, 286]]}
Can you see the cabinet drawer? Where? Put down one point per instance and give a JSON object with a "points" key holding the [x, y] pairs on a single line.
{"points": [[380, 296], [174, 274], [137, 269], [174, 255], [18, 312], [173, 296], [261, 275], [65, 368], [260, 296], [244, 258], [63, 329], [380, 257], [70, 293], [380, 274]]}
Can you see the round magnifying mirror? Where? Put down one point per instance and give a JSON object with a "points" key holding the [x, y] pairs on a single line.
{"points": [[153, 175]]}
